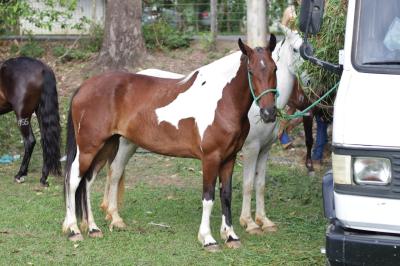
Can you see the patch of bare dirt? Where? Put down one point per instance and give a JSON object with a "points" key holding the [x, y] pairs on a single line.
{"points": [[157, 170]]}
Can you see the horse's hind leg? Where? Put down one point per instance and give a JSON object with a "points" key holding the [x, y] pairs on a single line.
{"points": [[308, 123], [261, 218], [104, 203], [24, 124], [93, 229], [121, 187], [108, 150], [88, 223], [125, 151], [70, 223]]}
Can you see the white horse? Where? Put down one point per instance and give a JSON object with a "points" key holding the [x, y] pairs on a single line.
{"points": [[260, 138]]}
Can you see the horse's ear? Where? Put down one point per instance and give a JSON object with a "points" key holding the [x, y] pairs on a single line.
{"points": [[272, 42], [244, 48]]}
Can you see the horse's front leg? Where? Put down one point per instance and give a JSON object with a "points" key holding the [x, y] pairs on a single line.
{"points": [[227, 233], [307, 124], [250, 155], [210, 167], [24, 124], [261, 218]]}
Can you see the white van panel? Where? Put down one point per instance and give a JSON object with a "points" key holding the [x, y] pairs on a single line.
{"points": [[367, 110], [368, 213]]}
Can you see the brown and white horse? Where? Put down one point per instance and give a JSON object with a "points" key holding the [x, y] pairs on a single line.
{"points": [[202, 116]]}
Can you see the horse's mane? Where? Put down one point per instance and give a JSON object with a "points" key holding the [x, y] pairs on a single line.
{"points": [[187, 78], [223, 61]]}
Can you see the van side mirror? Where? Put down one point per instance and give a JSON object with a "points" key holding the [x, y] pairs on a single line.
{"points": [[311, 13]]}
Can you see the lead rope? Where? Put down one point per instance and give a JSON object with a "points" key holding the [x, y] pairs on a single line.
{"points": [[305, 111]]}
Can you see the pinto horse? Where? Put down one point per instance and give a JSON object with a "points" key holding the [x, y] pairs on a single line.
{"points": [[28, 86], [202, 116]]}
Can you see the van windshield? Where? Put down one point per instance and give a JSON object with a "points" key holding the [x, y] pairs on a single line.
{"points": [[377, 35]]}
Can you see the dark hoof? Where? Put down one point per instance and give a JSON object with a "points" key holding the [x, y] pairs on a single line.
{"points": [[74, 237], [234, 244], [95, 233], [212, 247], [19, 179]]}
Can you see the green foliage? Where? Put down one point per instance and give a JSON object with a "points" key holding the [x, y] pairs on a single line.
{"points": [[326, 47], [206, 40], [83, 49], [14, 49], [31, 49], [12, 11], [161, 35], [69, 54], [94, 41], [276, 9]]}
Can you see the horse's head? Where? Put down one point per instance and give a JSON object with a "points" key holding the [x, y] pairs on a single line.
{"points": [[261, 72], [290, 50]]}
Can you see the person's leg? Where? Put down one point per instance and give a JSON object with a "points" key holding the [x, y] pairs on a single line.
{"points": [[321, 139], [285, 140]]}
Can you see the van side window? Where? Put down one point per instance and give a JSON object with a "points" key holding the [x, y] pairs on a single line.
{"points": [[378, 39]]}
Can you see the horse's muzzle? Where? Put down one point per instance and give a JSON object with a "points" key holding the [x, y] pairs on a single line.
{"points": [[268, 115]]}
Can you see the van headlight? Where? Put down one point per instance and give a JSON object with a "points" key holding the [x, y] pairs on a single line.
{"points": [[371, 171]]}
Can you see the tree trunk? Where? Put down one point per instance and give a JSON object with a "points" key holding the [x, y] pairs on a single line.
{"points": [[214, 23], [257, 23], [123, 45]]}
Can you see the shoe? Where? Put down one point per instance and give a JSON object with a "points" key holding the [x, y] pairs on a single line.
{"points": [[286, 141], [287, 146]]}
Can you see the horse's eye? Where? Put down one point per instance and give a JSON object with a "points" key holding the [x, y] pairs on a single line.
{"points": [[276, 69], [295, 50]]}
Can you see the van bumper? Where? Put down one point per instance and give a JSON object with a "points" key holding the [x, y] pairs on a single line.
{"points": [[349, 247], [355, 247]]}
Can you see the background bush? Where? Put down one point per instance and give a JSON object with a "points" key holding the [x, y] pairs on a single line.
{"points": [[326, 47], [161, 35]]}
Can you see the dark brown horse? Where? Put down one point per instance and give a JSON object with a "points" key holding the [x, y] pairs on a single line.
{"points": [[28, 86], [202, 116], [299, 101]]}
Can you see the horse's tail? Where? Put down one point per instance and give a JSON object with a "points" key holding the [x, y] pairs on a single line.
{"points": [[71, 151], [49, 121]]}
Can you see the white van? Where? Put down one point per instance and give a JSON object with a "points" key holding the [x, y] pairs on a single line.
{"points": [[362, 192]]}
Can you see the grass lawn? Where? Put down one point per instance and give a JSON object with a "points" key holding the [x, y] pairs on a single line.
{"points": [[160, 190]]}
